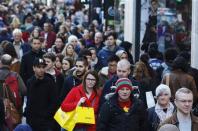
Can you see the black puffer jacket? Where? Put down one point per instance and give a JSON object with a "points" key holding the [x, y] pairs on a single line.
{"points": [[113, 118]]}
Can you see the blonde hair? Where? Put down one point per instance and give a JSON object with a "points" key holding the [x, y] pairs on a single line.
{"points": [[64, 52], [15, 22]]}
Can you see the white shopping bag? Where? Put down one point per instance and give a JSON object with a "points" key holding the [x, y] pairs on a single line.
{"points": [[150, 99]]}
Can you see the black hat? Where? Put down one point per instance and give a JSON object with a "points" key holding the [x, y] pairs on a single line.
{"points": [[38, 62]]}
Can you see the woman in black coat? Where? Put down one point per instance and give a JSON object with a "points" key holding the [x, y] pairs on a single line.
{"points": [[122, 112]]}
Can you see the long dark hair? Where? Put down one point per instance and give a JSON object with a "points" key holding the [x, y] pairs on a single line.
{"points": [[96, 86], [9, 49]]}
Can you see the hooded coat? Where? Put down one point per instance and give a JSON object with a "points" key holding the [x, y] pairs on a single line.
{"points": [[113, 118]]}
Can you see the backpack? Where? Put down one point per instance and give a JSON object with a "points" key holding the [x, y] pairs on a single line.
{"points": [[12, 115], [12, 82], [12, 100]]}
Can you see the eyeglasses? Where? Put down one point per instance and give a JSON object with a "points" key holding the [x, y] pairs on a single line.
{"points": [[185, 101], [89, 79]]}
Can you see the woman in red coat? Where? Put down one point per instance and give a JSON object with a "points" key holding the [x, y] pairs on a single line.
{"points": [[87, 94]]}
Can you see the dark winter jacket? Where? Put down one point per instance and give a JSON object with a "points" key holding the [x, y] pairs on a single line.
{"points": [[41, 101], [69, 82], [26, 69], [153, 119], [113, 118]]}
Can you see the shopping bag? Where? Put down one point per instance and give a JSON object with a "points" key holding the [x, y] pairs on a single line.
{"points": [[65, 119], [150, 99], [85, 115]]}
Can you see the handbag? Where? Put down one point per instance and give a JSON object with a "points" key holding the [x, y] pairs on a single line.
{"points": [[85, 115], [12, 116], [65, 119]]}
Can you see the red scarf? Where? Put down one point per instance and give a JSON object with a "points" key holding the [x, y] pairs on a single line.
{"points": [[125, 105]]}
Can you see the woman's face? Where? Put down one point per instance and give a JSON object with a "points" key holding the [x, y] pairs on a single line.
{"points": [[65, 65], [163, 99], [90, 81], [59, 43], [124, 56], [74, 42], [58, 63], [62, 29], [70, 50], [124, 94]]}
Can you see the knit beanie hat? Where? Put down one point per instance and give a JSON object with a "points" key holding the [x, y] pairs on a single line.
{"points": [[123, 82], [162, 88]]}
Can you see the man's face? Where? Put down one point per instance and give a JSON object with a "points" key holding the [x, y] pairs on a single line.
{"points": [[110, 41], [80, 68], [112, 66], [49, 64], [93, 54], [123, 71], [124, 93], [36, 44], [39, 71], [46, 27], [184, 102], [98, 38], [17, 37]]}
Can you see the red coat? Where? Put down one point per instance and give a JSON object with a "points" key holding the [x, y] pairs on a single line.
{"points": [[74, 96]]}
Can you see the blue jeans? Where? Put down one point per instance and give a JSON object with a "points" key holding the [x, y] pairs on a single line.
{"points": [[63, 129]]}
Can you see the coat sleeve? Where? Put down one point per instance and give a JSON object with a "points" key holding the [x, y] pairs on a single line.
{"points": [[23, 69], [104, 117], [52, 98], [67, 86], [2, 113], [22, 87], [143, 118], [70, 101]]}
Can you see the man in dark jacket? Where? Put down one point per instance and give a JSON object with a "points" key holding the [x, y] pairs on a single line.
{"points": [[41, 99], [108, 50], [75, 78], [26, 70]]}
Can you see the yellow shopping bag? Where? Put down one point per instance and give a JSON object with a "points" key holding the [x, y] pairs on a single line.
{"points": [[85, 115], [66, 119]]}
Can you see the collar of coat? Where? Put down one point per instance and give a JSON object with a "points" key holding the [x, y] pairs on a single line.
{"points": [[175, 121]]}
